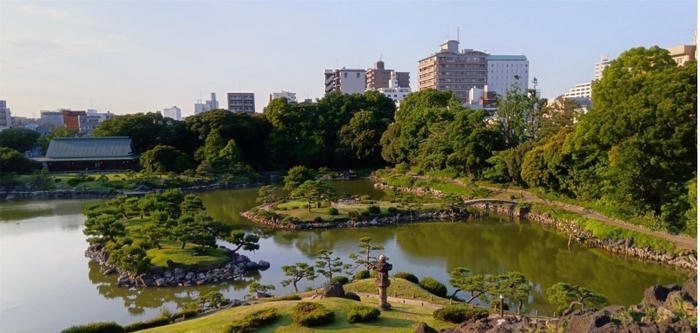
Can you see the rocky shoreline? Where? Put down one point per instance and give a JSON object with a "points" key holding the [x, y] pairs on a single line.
{"points": [[626, 247], [237, 266], [662, 309], [93, 194]]}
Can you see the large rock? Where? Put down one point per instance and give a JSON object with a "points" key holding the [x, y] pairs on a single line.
{"points": [[251, 265], [110, 271], [262, 264], [160, 282], [587, 323], [656, 295], [691, 288], [334, 289], [424, 328], [157, 270], [353, 296]]}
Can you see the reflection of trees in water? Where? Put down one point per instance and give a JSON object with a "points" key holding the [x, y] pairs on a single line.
{"points": [[309, 242], [137, 300]]}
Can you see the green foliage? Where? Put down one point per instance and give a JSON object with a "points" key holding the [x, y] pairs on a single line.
{"points": [[151, 323], [130, 259], [104, 225], [332, 211], [340, 279], [363, 274], [374, 209], [247, 242], [478, 285], [73, 181], [563, 294], [296, 273], [310, 314], [97, 327], [168, 157], [433, 286], [458, 313], [187, 313], [496, 304], [19, 139], [13, 161], [297, 176], [407, 276], [252, 321], [327, 265], [290, 297], [392, 210], [316, 191], [267, 195], [363, 314]]}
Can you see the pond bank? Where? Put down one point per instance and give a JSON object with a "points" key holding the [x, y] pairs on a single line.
{"points": [[236, 266]]}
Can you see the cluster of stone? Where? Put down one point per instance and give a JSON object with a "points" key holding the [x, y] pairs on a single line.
{"points": [[237, 266]]}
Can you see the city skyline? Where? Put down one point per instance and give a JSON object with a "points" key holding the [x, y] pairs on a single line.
{"points": [[129, 57]]}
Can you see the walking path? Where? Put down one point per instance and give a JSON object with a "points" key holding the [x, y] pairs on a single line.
{"points": [[397, 300], [680, 241]]}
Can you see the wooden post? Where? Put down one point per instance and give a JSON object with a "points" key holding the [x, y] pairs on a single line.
{"points": [[413, 295], [536, 313], [431, 298], [450, 301]]}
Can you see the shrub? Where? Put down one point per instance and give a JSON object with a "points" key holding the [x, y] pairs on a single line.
{"points": [[433, 286], [407, 276], [340, 279], [496, 304], [364, 213], [283, 208], [98, 327], [458, 313], [374, 209], [363, 274], [310, 314], [290, 297], [332, 211], [123, 179], [367, 202], [73, 181], [57, 180], [90, 178], [151, 323], [187, 313], [295, 207], [393, 210], [252, 321], [365, 197], [362, 314]]}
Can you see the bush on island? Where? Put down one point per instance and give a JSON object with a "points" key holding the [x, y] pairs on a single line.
{"points": [[458, 313], [98, 327], [363, 274], [433, 286], [309, 314], [332, 211], [362, 314], [407, 276], [340, 279]]}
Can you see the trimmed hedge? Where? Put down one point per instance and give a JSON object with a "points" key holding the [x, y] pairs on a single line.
{"points": [[151, 323], [73, 181], [332, 211], [252, 321], [392, 209], [340, 279], [363, 274], [290, 297], [407, 276], [187, 313], [458, 313], [433, 286], [362, 314], [374, 209], [97, 327], [309, 314]]}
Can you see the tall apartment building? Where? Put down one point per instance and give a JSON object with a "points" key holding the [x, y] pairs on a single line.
{"points": [[683, 53], [51, 118], [212, 104], [380, 77], [394, 91], [5, 116], [451, 69], [600, 66], [291, 97], [173, 112], [506, 70], [347, 81], [580, 90], [89, 121], [71, 119], [241, 102]]}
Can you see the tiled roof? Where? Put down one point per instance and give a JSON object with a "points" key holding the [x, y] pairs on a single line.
{"points": [[109, 146]]}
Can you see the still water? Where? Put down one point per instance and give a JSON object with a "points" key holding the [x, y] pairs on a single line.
{"points": [[46, 283]]}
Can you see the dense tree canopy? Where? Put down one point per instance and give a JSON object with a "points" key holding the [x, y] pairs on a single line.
{"points": [[12, 161], [19, 139], [168, 157]]}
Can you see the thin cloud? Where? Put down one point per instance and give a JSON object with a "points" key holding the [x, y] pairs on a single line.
{"points": [[55, 14]]}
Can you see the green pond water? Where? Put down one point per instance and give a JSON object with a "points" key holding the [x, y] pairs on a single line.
{"points": [[46, 283]]}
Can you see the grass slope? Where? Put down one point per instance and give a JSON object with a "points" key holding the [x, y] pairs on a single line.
{"points": [[403, 318], [305, 215]]}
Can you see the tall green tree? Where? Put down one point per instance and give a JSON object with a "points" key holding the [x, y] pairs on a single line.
{"points": [[247, 242], [296, 176], [478, 285], [568, 297], [166, 156], [19, 139], [58, 132], [360, 137], [473, 142], [316, 191], [515, 287], [267, 195], [327, 265], [12, 161], [139, 127], [106, 226], [364, 257], [131, 259]]}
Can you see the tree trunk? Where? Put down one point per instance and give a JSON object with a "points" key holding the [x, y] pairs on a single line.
{"points": [[183, 245], [158, 245], [309, 205], [294, 284], [520, 305], [473, 297], [456, 291]]}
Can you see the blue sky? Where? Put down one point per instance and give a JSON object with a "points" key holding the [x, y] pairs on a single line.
{"points": [[138, 56]]}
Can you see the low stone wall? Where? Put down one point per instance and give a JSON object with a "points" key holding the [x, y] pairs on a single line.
{"points": [[91, 194], [236, 267], [626, 247], [276, 222]]}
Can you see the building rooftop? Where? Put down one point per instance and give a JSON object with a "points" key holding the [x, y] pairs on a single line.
{"points": [[90, 147]]}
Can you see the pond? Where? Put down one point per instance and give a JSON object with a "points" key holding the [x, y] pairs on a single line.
{"points": [[46, 283]]}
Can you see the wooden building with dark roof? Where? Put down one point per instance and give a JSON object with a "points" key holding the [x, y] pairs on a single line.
{"points": [[90, 154]]}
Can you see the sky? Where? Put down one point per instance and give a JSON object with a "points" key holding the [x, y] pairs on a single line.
{"points": [[141, 56]]}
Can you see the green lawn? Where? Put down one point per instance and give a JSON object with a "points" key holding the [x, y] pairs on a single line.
{"points": [[305, 215], [172, 251], [403, 318]]}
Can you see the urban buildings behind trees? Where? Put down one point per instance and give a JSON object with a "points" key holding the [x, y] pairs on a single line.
{"points": [[347, 81], [241, 102], [172, 112], [211, 104], [452, 69]]}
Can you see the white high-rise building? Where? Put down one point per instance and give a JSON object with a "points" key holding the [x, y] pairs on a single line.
{"points": [[580, 90], [173, 112], [212, 104], [396, 93], [291, 97], [600, 66], [5, 116], [506, 70], [347, 81]]}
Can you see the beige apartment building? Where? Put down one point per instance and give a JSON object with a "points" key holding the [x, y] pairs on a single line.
{"points": [[380, 77], [451, 69], [241, 102], [683, 53]]}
